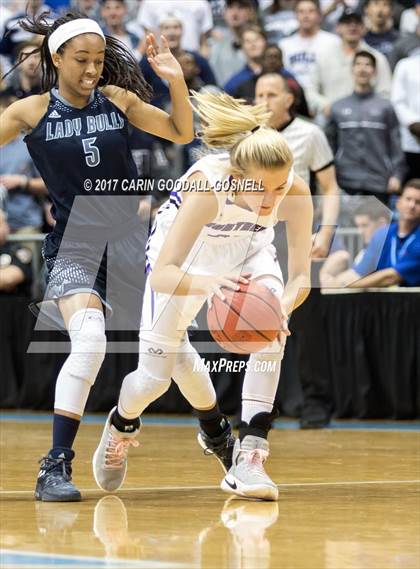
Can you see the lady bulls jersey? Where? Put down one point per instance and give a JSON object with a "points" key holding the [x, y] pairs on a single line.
{"points": [[85, 152]]}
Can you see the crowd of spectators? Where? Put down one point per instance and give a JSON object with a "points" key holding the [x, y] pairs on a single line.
{"points": [[350, 68], [342, 80], [368, 105]]}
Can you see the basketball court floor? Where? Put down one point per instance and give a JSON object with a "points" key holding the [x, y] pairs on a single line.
{"points": [[349, 499]]}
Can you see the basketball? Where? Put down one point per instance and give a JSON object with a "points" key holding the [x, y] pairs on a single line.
{"points": [[247, 321]]}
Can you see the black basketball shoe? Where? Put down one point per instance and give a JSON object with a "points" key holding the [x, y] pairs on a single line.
{"points": [[221, 446], [54, 479]]}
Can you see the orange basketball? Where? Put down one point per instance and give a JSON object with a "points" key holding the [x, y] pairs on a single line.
{"points": [[247, 320]]}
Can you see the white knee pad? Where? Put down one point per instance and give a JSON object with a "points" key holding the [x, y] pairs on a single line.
{"points": [[88, 343], [152, 378], [139, 390], [193, 379], [157, 355], [78, 374]]}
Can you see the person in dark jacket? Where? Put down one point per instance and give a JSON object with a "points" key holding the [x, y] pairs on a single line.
{"points": [[272, 62], [364, 132], [381, 34]]}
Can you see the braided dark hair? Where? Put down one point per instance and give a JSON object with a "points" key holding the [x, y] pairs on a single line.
{"points": [[120, 67]]}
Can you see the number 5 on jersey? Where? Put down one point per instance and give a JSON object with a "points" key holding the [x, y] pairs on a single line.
{"points": [[92, 155]]}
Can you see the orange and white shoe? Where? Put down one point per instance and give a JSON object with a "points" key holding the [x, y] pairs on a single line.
{"points": [[110, 458]]}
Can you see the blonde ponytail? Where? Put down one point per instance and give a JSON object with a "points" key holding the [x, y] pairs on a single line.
{"points": [[226, 120], [234, 125]]}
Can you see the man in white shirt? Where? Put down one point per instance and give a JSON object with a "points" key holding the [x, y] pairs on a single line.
{"points": [[332, 75], [311, 153], [406, 101], [310, 148], [410, 19], [196, 17], [301, 50]]}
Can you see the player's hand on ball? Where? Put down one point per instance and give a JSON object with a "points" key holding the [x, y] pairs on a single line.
{"points": [[214, 285]]}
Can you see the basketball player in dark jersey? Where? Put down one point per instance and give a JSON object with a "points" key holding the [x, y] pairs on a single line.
{"points": [[77, 130]]}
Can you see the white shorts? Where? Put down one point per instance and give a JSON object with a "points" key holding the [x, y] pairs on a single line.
{"points": [[165, 318]]}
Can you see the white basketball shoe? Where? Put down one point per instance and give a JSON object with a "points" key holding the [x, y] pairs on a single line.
{"points": [[247, 476], [110, 458]]}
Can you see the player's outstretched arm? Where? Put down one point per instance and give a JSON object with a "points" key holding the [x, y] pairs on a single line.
{"points": [[297, 210], [178, 126]]}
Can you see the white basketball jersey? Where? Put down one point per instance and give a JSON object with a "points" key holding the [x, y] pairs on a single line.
{"points": [[232, 224]]}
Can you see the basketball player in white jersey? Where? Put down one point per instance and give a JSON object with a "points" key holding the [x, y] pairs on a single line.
{"points": [[205, 239]]}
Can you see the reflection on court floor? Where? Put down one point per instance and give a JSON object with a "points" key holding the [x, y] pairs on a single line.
{"points": [[348, 499]]}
